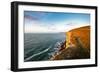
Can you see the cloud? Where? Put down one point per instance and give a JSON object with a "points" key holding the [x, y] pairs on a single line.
{"points": [[29, 17], [56, 28], [39, 28]]}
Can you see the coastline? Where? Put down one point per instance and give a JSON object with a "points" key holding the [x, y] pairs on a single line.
{"points": [[76, 45]]}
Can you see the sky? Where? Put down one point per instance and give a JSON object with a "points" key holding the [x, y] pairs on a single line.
{"points": [[51, 22]]}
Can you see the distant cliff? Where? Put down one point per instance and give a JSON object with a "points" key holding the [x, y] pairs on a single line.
{"points": [[77, 44]]}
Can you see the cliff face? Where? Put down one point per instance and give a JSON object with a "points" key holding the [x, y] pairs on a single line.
{"points": [[77, 44], [82, 34]]}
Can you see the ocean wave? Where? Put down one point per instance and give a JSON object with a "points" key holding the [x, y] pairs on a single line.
{"points": [[34, 55]]}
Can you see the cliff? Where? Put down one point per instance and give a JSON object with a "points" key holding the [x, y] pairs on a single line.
{"points": [[77, 45], [82, 33]]}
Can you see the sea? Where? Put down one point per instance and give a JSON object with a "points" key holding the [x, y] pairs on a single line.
{"points": [[41, 46]]}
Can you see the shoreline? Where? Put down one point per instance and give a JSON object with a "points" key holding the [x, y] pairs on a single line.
{"points": [[75, 46]]}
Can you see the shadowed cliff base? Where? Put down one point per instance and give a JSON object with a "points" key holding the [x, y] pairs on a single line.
{"points": [[76, 46]]}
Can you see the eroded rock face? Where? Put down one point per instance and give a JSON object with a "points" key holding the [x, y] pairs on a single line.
{"points": [[77, 45], [82, 34]]}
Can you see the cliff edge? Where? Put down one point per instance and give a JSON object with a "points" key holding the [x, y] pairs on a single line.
{"points": [[77, 45]]}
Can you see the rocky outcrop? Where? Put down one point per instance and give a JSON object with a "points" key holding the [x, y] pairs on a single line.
{"points": [[77, 45]]}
